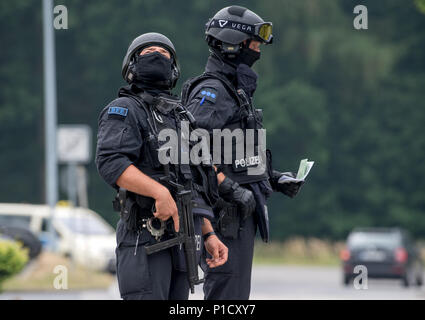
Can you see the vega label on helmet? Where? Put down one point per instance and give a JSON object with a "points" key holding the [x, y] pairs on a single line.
{"points": [[222, 23], [247, 28], [261, 30]]}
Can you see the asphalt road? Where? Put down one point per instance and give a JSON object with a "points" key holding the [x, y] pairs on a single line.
{"points": [[319, 283], [271, 282]]}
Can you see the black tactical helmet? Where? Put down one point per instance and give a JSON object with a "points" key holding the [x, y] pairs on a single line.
{"points": [[146, 40], [233, 25]]}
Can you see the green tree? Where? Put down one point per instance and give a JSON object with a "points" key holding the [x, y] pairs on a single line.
{"points": [[350, 100]]}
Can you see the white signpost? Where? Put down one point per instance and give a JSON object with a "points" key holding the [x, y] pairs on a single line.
{"points": [[74, 150], [74, 144]]}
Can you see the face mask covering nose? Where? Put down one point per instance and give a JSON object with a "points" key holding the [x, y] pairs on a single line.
{"points": [[153, 67], [249, 56]]}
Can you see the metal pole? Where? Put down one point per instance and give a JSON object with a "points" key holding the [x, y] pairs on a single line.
{"points": [[82, 187], [72, 198], [50, 114], [72, 184]]}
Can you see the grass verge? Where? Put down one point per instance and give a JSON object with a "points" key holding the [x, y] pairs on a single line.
{"points": [[298, 251], [40, 276], [301, 251]]}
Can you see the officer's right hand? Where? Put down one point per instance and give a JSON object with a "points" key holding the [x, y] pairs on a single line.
{"points": [[165, 207], [232, 192], [245, 200]]}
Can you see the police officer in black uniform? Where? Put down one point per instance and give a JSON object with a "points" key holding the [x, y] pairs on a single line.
{"points": [[127, 158], [221, 98]]}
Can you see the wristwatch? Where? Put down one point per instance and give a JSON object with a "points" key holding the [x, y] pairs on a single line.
{"points": [[205, 236]]}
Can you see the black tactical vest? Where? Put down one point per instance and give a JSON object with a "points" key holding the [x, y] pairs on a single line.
{"points": [[246, 118], [201, 179]]}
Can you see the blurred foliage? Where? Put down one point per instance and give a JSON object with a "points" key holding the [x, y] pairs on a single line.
{"points": [[298, 251], [351, 100], [13, 258], [41, 275], [421, 5]]}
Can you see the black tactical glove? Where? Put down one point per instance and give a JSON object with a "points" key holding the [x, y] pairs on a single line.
{"points": [[288, 188], [231, 191]]}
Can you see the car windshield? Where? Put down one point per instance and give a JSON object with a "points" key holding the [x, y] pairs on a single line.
{"points": [[86, 225], [10, 220], [374, 239]]}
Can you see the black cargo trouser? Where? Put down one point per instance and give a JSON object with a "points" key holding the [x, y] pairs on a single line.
{"points": [[146, 277], [232, 281]]}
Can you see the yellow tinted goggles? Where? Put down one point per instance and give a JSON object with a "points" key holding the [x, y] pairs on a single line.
{"points": [[261, 31], [264, 32]]}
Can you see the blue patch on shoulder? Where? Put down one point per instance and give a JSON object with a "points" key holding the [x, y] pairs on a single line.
{"points": [[118, 111], [209, 94]]}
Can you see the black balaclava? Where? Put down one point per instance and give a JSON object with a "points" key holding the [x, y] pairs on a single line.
{"points": [[248, 56], [153, 72], [246, 77]]}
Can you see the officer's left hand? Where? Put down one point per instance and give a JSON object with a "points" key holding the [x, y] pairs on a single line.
{"points": [[217, 250], [290, 189]]}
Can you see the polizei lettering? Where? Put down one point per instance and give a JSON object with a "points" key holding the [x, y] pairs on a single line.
{"points": [[247, 162]]}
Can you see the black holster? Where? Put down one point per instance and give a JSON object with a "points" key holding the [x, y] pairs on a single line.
{"points": [[130, 211], [228, 219]]}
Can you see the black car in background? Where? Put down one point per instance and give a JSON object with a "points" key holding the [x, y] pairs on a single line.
{"points": [[386, 253]]}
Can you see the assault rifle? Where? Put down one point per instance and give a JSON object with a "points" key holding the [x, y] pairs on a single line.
{"points": [[185, 236]]}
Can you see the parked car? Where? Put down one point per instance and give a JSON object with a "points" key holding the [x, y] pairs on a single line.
{"points": [[24, 236], [81, 233], [385, 252]]}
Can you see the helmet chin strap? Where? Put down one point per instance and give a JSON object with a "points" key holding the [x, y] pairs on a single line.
{"points": [[219, 56], [222, 55], [163, 85]]}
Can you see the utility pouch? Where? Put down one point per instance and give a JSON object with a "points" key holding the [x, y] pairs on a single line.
{"points": [[250, 121], [130, 214], [269, 163], [185, 171], [259, 115], [116, 204], [119, 200], [153, 151], [228, 222]]}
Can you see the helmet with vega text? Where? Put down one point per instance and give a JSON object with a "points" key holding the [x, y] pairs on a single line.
{"points": [[230, 26]]}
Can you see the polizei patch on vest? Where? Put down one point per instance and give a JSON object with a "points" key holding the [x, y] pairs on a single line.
{"points": [[117, 113], [209, 94], [243, 164]]}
